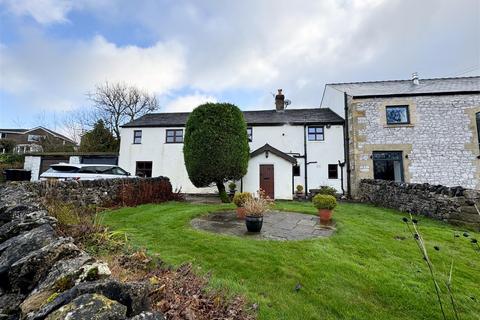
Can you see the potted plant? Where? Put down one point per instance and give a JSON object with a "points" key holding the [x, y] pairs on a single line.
{"points": [[325, 205], [232, 187], [255, 208], [239, 200], [299, 191]]}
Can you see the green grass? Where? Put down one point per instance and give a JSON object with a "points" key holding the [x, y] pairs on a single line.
{"points": [[362, 272]]}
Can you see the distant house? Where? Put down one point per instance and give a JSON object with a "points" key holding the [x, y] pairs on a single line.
{"points": [[288, 148], [31, 140], [418, 130]]}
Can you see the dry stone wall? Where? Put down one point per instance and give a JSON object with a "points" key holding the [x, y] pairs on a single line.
{"points": [[455, 205], [104, 192]]}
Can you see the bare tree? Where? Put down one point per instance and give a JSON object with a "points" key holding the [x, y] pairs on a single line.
{"points": [[77, 122], [118, 103]]}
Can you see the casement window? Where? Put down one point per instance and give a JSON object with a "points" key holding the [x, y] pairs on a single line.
{"points": [[143, 169], [174, 136], [388, 165], [397, 114], [250, 134], [478, 128], [137, 136], [34, 138], [316, 133], [296, 170], [332, 171]]}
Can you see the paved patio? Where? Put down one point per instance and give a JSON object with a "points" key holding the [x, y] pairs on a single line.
{"points": [[277, 225]]}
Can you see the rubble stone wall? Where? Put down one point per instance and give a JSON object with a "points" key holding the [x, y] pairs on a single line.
{"points": [[455, 205], [46, 276]]}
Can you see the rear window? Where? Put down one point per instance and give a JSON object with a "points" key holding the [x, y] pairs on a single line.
{"points": [[95, 169], [66, 169]]}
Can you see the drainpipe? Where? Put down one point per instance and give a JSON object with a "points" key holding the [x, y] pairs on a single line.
{"points": [[305, 157], [346, 145]]}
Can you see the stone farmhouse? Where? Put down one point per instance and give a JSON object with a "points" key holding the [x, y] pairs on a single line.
{"points": [[289, 147], [418, 130], [30, 140]]}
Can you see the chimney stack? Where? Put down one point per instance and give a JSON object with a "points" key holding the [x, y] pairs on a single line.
{"points": [[280, 101], [415, 78]]}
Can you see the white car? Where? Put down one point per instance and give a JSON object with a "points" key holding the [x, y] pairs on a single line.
{"points": [[68, 171]]}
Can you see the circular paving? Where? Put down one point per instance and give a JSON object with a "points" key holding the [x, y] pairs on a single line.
{"points": [[277, 225]]}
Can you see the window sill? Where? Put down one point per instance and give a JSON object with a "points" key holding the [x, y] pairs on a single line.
{"points": [[173, 142], [407, 125]]}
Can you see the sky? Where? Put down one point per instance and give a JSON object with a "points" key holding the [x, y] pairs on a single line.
{"points": [[54, 52]]}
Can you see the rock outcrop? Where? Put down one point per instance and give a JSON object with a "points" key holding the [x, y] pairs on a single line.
{"points": [[46, 276]]}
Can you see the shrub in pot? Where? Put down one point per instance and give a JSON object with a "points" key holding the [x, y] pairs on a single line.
{"points": [[299, 191], [232, 187], [255, 208], [325, 205], [327, 190], [239, 200]]}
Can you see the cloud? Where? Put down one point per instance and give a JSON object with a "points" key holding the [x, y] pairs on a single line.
{"points": [[43, 11], [231, 49], [58, 74], [187, 102]]}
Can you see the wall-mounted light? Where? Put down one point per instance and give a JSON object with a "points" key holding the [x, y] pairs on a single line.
{"points": [[406, 156], [329, 126], [371, 156], [266, 154]]}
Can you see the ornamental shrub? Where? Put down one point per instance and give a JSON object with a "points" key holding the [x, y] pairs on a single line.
{"points": [[324, 201], [241, 197], [216, 147], [232, 186], [326, 190], [299, 188]]}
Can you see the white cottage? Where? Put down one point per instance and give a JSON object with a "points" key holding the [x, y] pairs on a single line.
{"points": [[288, 148]]}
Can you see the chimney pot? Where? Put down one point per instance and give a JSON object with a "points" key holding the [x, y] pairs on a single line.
{"points": [[280, 101], [415, 78]]}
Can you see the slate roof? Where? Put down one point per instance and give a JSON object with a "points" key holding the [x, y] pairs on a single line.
{"points": [[407, 87], [14, 130], [259, 117], [273, 150], [24, 131]]}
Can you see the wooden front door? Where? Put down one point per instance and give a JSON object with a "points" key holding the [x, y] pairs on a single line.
{"points": [[266, 179]]}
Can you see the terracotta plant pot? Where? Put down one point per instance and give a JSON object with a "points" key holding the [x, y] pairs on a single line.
{"points": [[241, 212], [254, 224], [325, 215]]}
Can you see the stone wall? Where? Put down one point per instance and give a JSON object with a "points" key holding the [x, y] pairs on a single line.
{"points": [[455, 205], [104, 192], [46, 276], [440, 145]]}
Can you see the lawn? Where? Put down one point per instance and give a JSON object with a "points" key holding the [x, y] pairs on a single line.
{"points": [[364, 271]]}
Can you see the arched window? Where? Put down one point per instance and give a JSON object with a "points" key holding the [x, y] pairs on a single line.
{"points": [[478, 128]]}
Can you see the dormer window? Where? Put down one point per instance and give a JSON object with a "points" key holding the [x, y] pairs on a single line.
{"points": [[398, 115]]}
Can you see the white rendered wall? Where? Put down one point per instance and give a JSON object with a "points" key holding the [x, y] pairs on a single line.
{"points": [[168, 158], [32, 163], [282, 175], [289, 139]]}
